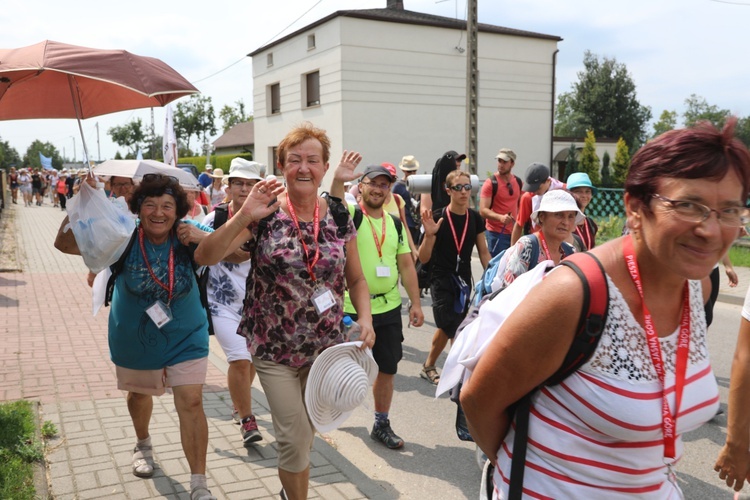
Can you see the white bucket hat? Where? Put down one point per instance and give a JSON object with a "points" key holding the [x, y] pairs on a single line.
{"points": [[241, 168], [339, 381], [557, 200]]}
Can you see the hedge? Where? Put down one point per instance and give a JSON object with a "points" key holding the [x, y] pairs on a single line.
{"points": [[222, 161]]}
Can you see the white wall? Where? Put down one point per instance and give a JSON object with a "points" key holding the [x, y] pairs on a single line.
{"points": [[394, 89]]}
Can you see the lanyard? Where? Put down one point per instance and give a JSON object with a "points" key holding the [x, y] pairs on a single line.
{"points": [[316, 227], [378, 243], [669, 421], [586, 235], [544, 245], [459, 245], [169, 289]]}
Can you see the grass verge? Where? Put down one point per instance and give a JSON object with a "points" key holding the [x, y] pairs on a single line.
{"points": [[19, 450]]}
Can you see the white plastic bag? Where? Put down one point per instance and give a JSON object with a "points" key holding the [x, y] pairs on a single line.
{"points": [[101, 228]]}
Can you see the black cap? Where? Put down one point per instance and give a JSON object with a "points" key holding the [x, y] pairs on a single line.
{"points": [[536, 174], [372, 171]]}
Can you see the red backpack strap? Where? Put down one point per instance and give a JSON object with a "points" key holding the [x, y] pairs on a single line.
{"points": [[593, 313]]}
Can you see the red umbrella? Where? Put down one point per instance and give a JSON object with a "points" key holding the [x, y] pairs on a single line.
{"points": [[57, 80]]}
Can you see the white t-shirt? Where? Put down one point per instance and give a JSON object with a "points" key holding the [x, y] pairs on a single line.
{"points": [[746, 306]]}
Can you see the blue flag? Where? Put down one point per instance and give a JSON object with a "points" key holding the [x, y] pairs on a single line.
{"points": [[46, 162]]}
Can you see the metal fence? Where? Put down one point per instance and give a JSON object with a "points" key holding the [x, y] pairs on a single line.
{"points": [[606, 202]]}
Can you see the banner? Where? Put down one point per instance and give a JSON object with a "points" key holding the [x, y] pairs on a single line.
{"points": [[170, 141], [46, 162]]}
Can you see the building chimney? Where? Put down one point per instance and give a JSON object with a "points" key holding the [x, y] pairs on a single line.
{"points": [[396, 4]]}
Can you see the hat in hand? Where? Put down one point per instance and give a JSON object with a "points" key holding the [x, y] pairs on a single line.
{"points": [[338, 382]]}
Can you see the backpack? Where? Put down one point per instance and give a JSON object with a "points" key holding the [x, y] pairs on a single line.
{"points": [[493, 179], [359, 215], [117, 267], [590, 326], [221, 217], [484, 285]]}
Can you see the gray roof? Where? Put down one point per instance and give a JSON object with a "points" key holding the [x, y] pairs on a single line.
{"points": [[242, 134], [408, 17]]}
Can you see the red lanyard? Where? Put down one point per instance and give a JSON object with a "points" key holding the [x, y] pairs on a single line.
{"points": [[378, 243], [169, 289], [316, 227], [544, 245], [668, 421], [459, 245], [586, 235]]}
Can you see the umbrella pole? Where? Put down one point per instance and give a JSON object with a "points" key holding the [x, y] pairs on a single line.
{"points": [[77, 108]]}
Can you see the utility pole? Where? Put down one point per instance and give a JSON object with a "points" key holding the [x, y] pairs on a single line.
{"points": [[98, 146], [472, 85], [153, 137]]}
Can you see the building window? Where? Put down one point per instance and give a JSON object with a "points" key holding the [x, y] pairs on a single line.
{"points": [[274, 98], [310, 42], [275, 160], [312, 89], [269, 60]]}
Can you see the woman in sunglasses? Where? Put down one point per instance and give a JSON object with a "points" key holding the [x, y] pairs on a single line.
{"points": [[450, 235], [158, 331], [613, 429]]}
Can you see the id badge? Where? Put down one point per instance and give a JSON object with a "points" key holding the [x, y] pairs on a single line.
{"points": [[383, 272], [323, 300], [159, 313]]}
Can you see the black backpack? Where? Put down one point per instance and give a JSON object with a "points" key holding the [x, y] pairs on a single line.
{"points": [[493, 179]]}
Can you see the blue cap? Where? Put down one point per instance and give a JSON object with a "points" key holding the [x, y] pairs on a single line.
{"points": [[580, 179]]}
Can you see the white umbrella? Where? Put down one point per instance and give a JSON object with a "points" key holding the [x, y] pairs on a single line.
{"points": [[136, 169]]}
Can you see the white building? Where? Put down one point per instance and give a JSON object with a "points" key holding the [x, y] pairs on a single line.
{"points": [[391, 82]]}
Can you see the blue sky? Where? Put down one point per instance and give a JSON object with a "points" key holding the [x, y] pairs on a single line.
{"points": [[672, 48]]}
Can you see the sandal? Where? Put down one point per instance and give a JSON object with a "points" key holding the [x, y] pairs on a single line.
{"points": [[143, 462], [430, 373], [201, 493]]}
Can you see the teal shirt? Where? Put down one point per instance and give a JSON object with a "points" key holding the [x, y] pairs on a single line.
{"points": [[134, 340]]}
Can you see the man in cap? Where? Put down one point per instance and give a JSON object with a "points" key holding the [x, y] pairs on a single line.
{"points": [[409, 166], [204, 179], [498, 202], [385, 255], [538, 182], [226, 292]]}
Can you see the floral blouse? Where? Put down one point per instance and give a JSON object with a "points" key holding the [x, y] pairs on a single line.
{"points": [[278, 317]]}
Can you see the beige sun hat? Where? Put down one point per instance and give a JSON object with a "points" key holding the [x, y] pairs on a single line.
{"points": [[338, 382], [409, 164], [217, 173], [241, 168]]}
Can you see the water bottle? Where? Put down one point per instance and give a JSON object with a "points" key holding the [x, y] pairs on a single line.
{"points": [[352, 328]]}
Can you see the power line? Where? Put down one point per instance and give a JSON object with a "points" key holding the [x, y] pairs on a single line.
{"points": [[272, 38]]}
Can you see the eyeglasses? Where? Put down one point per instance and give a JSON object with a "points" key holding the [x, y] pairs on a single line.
{"points": [[689, 211], [459, 187], [117, 185], [241, 184], [158, 177], [379, 185], [510, 188]]}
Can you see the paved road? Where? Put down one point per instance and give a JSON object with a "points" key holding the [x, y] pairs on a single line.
{"points": [[52, 350]]}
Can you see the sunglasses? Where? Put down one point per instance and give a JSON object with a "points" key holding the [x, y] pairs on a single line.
{"points": [[460, 187], [158, 177]]}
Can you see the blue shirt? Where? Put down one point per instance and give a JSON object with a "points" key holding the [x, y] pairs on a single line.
{"points": [[205, 180], [135, 342]]}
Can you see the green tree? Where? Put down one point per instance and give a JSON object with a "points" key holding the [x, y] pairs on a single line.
{"points": [[621, 165], [9, 157], [194, 117], [606, 175], [742, 130], [571, 166], [31, 158], [604, 99], [232, 115], [568, 121], [698, 109], [590, 163], [667, 121], [130, 136]]}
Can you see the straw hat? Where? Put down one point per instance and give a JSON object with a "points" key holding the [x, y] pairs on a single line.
{"points": [[409, 164], [338, 382], [557, 200], [217, 173]]}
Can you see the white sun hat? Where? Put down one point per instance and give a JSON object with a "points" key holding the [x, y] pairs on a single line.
{"points": [[557, 200], [338, 382]]}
